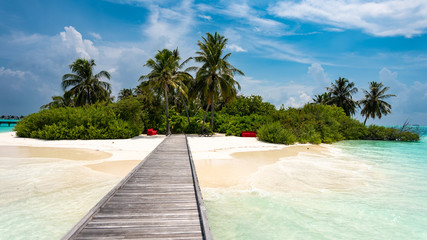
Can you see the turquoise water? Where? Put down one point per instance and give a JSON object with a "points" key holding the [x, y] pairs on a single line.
{"points": [[357, 190], [5, 128]]}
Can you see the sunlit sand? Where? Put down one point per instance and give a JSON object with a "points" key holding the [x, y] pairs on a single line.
{"points": [[248, 164]]}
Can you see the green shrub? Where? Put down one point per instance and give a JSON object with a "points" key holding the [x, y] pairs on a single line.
{"points": [[88, 122], [275, 133]]}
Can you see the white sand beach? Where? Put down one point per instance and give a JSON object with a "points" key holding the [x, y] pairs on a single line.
{"points": [[116, 156]]}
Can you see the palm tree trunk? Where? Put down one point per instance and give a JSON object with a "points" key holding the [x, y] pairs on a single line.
{"points": [[204, 118], [364, 123], [212, 110], [168, 131], [186, 108]]}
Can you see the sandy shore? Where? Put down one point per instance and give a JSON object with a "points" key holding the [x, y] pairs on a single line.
{"points": [[221, 162], [248, 164], [117, 156]]}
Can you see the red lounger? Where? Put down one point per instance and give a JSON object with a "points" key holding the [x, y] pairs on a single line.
{"points": [[248, 134], [151, 132]]}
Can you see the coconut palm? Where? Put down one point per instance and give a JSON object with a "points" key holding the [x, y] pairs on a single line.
{"points": [[59, 101], [163, 76], [184, 78], [323, 98], [340, 94], [373, 105], [125, 93], [86, 88], [215, 78]]}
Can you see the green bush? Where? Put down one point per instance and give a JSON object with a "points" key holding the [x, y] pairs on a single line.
{"points": [[88, 122], [275, 133]]}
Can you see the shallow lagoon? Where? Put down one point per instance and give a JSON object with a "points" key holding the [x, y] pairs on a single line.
{"points": [[357, 190]]}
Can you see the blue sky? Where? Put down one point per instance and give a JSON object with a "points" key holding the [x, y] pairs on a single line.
{"points": [[288, 50]]}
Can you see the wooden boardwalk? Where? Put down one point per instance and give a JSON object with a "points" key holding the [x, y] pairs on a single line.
{"points": [[159, 199]]}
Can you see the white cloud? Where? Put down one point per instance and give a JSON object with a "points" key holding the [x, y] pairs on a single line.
{"points": [[206, 17], [317, 72], [290, 94], [168, 27], [16, 79], [379, 18], [97, 36], [72, 39], [6, 72], [235, 48]]}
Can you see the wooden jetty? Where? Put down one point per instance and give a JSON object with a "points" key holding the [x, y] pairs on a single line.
{"points": [[159, 199]]}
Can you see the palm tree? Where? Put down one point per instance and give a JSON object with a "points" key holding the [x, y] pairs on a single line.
{"points": [[59, 101], [163, 75], [86, 87], [373, 103], [340, 94], [321, 98], [184, 78], [215, 78], [125, 93]]}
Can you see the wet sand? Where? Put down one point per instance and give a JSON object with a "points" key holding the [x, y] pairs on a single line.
{"points": [[50, 152], [112, 156], [247, 165]]}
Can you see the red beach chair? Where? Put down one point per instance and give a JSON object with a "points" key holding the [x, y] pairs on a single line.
{"points": [[248, 134], [151, 132]]}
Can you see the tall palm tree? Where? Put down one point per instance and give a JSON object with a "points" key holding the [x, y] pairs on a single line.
{"points": [[373, 105], [125, 93], [215, 78], [86, 88], [323, 98], [341, 95], [163, 76], [184, 78]]}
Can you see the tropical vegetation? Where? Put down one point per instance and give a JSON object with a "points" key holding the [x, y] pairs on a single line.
{"points": [[86, 87], [373, 105], [170, 100], [340, 94], [215, 78]]}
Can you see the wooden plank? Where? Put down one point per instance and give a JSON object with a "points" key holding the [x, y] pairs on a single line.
{"points": [[159, 199]]}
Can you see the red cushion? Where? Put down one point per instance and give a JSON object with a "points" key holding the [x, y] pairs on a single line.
{"points": [[248, 134]]}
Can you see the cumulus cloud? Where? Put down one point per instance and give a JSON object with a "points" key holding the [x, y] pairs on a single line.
{"points": [[410, 97], [379, 18], [43, 60], [74, 40], [317, 72]]}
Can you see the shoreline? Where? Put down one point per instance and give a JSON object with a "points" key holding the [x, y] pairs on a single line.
{"points": [[112, 156]]}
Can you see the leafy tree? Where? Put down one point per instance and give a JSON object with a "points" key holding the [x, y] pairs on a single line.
{"points": [[59, 101], [86, 88], [323, 98], [373, 105], [341, 95], [163, 76], [125, 93], [215, 78]]}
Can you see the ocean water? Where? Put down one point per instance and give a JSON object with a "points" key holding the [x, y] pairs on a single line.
{"points": [[44, 197], [355, 190], [5, 128]]}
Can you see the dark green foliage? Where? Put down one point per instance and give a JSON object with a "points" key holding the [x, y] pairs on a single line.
{"points": [[275, 133], [383, 133], [245, 106], [88, 122]]}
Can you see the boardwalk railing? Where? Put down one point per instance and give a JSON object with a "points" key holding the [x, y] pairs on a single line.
{"points": [[160, 198]]}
